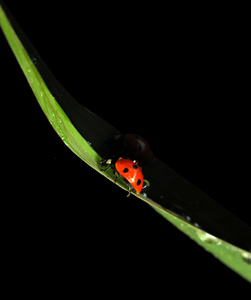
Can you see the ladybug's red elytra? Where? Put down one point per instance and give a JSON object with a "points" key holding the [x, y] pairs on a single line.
{"points": [[127, 169], [131, 172], [135, 153]]}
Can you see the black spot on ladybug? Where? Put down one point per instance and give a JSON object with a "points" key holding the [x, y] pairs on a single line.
{"points": [[135, 167], [125, 170], [138, 182]]}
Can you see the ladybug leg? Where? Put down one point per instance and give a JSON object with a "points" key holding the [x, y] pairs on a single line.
{"points": [[102, 163], [129, 190], [146, 185], [103, 170], [116, 176]]}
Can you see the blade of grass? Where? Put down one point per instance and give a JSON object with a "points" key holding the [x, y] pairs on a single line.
{"points": [[234, 257]]}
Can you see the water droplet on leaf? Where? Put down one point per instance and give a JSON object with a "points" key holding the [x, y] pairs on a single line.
{"points": [[208, 238], [246, 257]]}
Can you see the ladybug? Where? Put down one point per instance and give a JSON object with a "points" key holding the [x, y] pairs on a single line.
{"points": [[129, 153], [129, 170]]}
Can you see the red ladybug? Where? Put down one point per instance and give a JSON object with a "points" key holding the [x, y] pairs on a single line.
{"points": [[131, 172], [127, 169], [137, 152]]}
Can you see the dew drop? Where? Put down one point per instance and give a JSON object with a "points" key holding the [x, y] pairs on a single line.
{"points": [[208, 238], [188, 218], [246, 257], [34, 60]]}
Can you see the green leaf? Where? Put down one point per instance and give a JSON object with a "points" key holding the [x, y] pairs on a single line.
{"points": [[182, 204]]}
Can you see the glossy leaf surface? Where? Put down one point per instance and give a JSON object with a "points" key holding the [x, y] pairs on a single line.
{"points": [[189, 209]]}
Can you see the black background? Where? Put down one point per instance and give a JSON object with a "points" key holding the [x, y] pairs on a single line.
{"points": [[177, 81]]}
